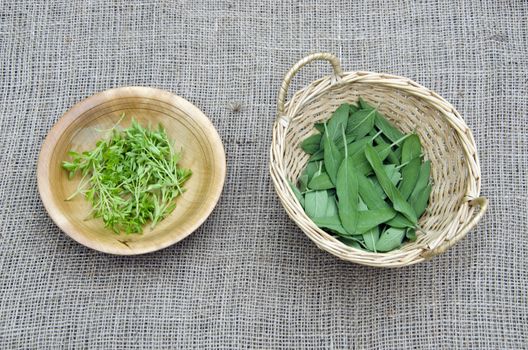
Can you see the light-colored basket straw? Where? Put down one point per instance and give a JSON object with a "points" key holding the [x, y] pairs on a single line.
{"points": [[446, 140]]}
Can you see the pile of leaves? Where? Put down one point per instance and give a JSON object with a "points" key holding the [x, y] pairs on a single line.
{"points": [[365, 182]]}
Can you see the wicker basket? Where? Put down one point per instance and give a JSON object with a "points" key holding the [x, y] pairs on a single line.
{"points": [[455, 205]]}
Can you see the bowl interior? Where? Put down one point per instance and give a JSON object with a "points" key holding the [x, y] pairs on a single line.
{"points": [[440, 143], [84, 125]]}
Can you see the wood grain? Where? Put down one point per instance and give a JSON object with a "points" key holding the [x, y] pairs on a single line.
{"points": [[80, 128]]}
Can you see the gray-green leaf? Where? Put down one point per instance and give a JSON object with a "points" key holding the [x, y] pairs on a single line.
{"points": [[400, 221], [297, 193], [347, 193], [332, 158], [390, 239], [371, 238], [411, 234], [303, 182], [411, 148], [330, 222], [393, 173], [361, 123], [369, 219], [410, 174], [311, 144], [419, 202], [338, 121], [387, 128], [392, 192], [320, 182], [315, 204]]}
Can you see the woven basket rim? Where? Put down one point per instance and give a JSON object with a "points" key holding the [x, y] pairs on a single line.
{"points": [[287, 113]]}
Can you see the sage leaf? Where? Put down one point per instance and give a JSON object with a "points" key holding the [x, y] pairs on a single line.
{"points": [[332, 157], [410, 174], [387, 128], [361, 123], [411, 148], [303, 182], [331, 208], [297, 193], [392, 192], [377, 187], [369, 219], [311, 144], [319, 127], [370, 194], [319, 155], [393, 173], [400, 221], [411, 234], [311, 169], [364, 104], [320, 181], [353, 241], [371, 238], [315, 203], [347, 194], [423, 178], [338, 121], [330, 222], [390, 239], [419, 202]]}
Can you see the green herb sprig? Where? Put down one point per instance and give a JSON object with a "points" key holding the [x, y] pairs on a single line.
{"points": [[130, 178], [365, 182]]}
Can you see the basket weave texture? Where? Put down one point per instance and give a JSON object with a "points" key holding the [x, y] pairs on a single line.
{"points": [[455, 204]]}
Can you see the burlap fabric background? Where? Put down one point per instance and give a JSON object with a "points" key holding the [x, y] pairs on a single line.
{"points": [[249, 278]]}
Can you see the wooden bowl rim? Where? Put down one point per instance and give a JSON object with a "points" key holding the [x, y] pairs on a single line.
{"points": [[76, 111]]}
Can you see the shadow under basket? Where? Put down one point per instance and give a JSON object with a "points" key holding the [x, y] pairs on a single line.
{"points": [[455, 205]]}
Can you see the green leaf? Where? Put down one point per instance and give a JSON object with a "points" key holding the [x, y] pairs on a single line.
{"points": [[400, 221], [377, 187], [332, 157], [303, 182], [393, 173], [364, 104], [311, 144], [347, 193], [297, 193], [420, 201], [370, 194], [319, 155], [411, 148], [338, 120], [353, 241], [315, 204], [392, 192], [410, 174], [331, 208], [371, 238], [411, 234], [330, 222], [319, 127], [321, 182], [387, 128], [369, 219], [361, 123], [356, 146], [311, 169], [423, 178], [390, 239]]}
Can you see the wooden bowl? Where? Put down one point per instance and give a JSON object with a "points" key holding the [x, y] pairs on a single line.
{"points": [[186, 125]]}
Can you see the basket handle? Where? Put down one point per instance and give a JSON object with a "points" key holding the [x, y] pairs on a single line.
{"points": [[482, 202], [320, 56]]}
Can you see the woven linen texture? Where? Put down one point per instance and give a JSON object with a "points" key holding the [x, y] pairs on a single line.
{"points": [[249, 278]]}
